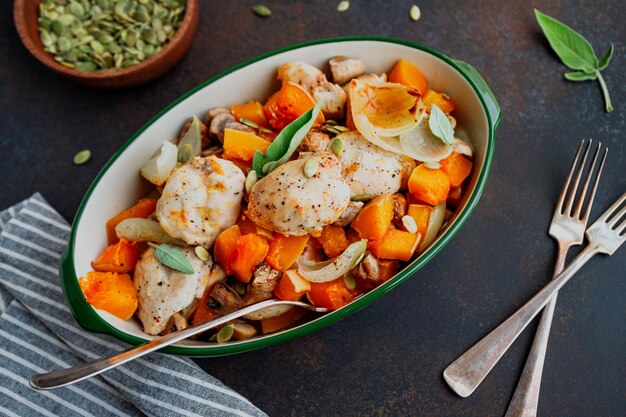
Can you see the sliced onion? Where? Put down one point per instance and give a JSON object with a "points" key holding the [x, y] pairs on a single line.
{"points": [[435, 221], [193, 137], [419, 143], [463, 147], [334, 268], [145, 230], [158, 168], [366, 129]]}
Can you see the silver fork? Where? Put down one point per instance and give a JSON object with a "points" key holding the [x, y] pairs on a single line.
{"points": [[568, 229], [604, 236]]}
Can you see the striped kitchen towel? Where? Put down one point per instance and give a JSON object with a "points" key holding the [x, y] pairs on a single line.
{"points": [[39, 334]]}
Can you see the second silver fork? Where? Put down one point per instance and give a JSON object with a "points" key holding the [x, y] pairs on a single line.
{"points": [[568, 229]]}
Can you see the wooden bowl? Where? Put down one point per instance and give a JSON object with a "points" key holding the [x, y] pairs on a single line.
{"points": [[26, 12]]}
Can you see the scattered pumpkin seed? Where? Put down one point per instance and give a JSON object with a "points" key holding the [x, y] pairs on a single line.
{"points": [[361, 197], [409, 224], [82, 157], [239, 287], [213, 338], [350, 281], [343, 6], [202, 253], [341, 128], [332, 129], [432, 165], [311, 167], [225, 333], [415, 13], [251, 179], [185, 153], [93, 35], [337, 146], [264, 130], [249, 122], [261, 10], [331, 122], [358, 261]]}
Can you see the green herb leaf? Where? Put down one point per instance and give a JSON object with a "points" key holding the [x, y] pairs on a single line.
{"points": [[573, 49], [576, 53], [606, 58], [285, 143], [580, 76], [172, 257], [440, 125]]}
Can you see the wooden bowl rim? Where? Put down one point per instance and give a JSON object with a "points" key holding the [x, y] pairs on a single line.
{"points": [[35, 47]]}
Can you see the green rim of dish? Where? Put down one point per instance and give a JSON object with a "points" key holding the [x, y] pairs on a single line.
{"points": [[87, 317]]}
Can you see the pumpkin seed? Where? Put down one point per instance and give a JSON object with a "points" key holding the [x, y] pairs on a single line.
{"points": [[361, 197], [82, 157], [337, 146], [333, 129], [432, 165], [213, 338], [350, 281], [225, 333], [409, 224], [264, 130], [251, 179], [249, 122], [202, 253], [311, 167], [261, 10], [185, 153], [415, 13], [94, 31], [341, 128], [343, 6], [240, 287]]}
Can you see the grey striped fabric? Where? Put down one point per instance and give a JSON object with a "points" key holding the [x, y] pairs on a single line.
{"points": [[39, 334]]}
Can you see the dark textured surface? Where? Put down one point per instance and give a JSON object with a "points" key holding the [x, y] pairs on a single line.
{"points": [[387, 360]]}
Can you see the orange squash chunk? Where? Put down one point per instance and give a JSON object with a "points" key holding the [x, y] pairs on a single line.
{"points": [[408, 74], [226, 247], [285, 250], [252, 110], [286, 105], [120, 257], [375, 218], [332, 295], [440, 100], [429, 185], [420, 213], [396, 244], [387, 268], [144, 208], [454, 197], [457, 168], [291, 286], [111, 292], [333, 240], [275, 323], [242, 145], [251, 251]]}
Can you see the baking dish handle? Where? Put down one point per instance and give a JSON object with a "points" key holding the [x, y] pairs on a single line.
{"points": [[493, 108]]}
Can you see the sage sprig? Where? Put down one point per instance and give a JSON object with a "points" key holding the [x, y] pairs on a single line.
{"points": [[440, 125], [576, 53], [172, 257], [285, 143]]}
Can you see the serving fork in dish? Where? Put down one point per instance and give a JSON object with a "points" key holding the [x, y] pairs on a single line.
{"points": [[605, 236]]}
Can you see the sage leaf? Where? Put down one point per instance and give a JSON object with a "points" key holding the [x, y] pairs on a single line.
{"points": [[580, 76], [576, 53], [172, 257], [440, 125], [606, 58], [573, 49], [285, 143]]}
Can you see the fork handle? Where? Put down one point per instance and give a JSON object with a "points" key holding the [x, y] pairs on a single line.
{"points": [[467, 372], [525, 400]]}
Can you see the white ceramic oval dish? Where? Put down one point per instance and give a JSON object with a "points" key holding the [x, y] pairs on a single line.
{"points": [[119, 184]]}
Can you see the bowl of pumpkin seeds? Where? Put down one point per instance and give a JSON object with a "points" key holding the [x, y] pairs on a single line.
{"points": [[107, 43]]}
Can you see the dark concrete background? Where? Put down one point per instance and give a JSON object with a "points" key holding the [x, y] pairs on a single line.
{"points": [[387, 360]]}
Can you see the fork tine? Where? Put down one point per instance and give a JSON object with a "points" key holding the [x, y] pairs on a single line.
{"points": [[616, 218], [611, 210], [583, 193], [559, 204], [581, 167]]}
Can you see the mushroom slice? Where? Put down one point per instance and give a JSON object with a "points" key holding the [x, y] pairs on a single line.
{"points": [[218, 124], [214, 112], [242, 330]]}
